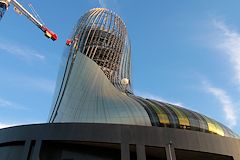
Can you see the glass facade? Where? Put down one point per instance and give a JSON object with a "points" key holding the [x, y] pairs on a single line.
{"points": [[89, 87], [164, 114]]}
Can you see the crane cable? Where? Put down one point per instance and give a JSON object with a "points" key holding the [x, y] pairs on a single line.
{"points": [[35, 13]]}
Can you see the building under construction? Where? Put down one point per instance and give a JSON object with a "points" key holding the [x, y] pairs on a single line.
{"points": [[96, 115]]}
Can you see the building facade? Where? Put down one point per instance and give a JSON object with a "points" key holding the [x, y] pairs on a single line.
{"points": [[95, 114]]}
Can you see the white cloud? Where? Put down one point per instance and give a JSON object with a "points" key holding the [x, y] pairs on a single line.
{"points": [[12, 124], [27, 82], [36, 83], [10, 105], [229, 42], [226, 102], [20, 51], [5, 103], [154, 97], [6, 125], [2, 125]]}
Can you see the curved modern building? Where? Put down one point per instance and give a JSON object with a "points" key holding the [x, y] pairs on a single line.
{"points": [[95, 114], [91, 88]]}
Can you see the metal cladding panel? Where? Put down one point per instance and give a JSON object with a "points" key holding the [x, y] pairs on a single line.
{"points": [[90, 97]]}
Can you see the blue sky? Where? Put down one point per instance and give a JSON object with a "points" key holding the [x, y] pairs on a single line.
{"points": [[184, 52]]}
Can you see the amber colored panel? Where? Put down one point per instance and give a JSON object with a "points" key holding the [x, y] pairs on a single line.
{"points": [[183, 119], [214, 127], [162, 116]]}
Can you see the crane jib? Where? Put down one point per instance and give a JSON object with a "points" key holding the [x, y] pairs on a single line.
{"points": [[21, 10], [48, 33]]}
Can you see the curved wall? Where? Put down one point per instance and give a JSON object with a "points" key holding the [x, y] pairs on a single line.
{"points": [[89, 96]]}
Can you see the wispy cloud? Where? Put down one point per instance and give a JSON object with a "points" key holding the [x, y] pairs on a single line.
{"points": [[225, 100], [5, 103], [20, 51], [6, 125], [10, 105], [37, 83], [229, 42], [3, 125], [27, 82], [155, 97]]}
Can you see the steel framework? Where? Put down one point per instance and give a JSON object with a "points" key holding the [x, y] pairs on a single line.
{"points": [[102, 36]]}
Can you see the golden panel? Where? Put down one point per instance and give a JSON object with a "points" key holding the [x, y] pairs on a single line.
{"points": [[183, 119], [214, 127], [219, 129], [162, 116]]}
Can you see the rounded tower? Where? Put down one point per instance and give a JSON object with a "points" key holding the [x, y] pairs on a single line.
{"points": [[101, 35]]}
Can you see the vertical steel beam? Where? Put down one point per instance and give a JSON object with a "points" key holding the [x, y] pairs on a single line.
{"points": [[36, 150], [125, 152], [26, 150], [141, 154], [170, 151]]}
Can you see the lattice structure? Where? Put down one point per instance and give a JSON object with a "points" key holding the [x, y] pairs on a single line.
{"points": [[102, 36]]}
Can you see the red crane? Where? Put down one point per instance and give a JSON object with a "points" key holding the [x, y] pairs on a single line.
{"points": [[4, 4]]}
